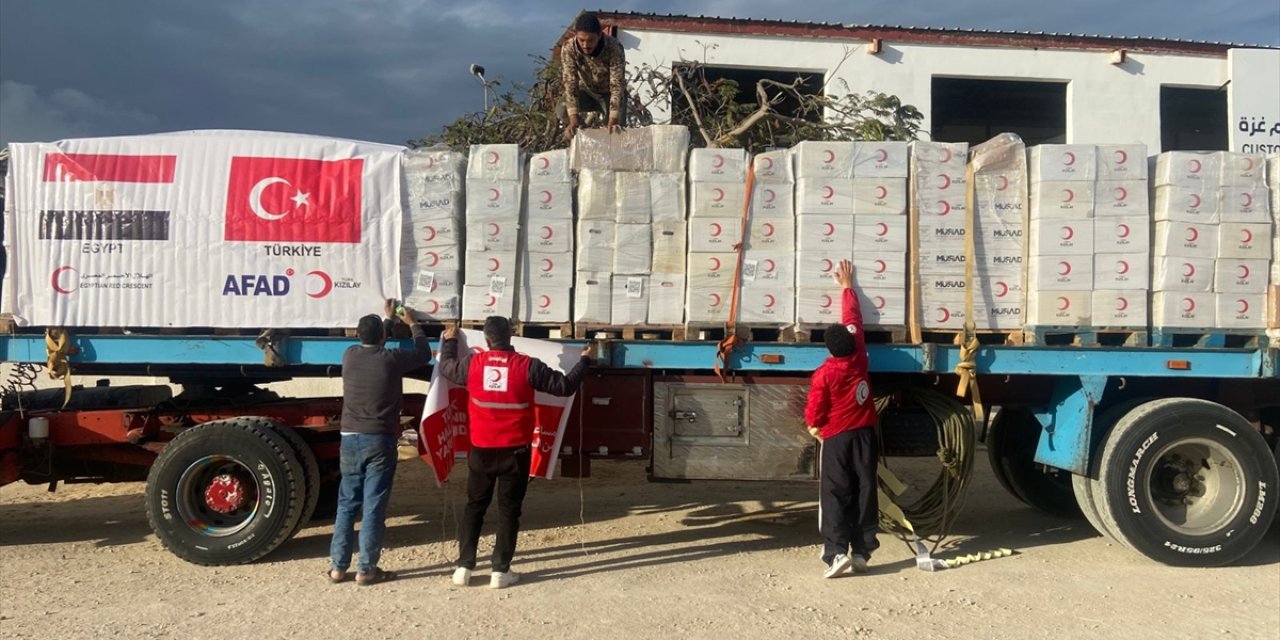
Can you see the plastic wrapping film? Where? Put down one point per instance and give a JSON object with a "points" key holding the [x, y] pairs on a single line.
{"points": [[549, 201], [630, 299], [667, 197], [666, 298], [670, 148], [880, 235], [1062, 163], [669, 248], [543, 304], [593, 297], [482, 267], [718, 165], [550, 167], [1236, 275], [879, 196], [631, 195], [433, 170], [600, 149], [497, 162], [597, 199], [773, 167], [633, 248], [880, 159], [480, 302]]}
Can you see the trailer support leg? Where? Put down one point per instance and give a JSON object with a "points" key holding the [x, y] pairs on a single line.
{"points": [[1064, 442]]}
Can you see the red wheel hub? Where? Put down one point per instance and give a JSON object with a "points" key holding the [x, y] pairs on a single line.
{"points": [[225, 493]]}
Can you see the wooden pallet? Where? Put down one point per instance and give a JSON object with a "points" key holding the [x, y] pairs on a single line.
{"points": [[1085, 336], [544, 330], [590, 331], [6, 323], [873, 334], [1209, 338], [995, 337]]}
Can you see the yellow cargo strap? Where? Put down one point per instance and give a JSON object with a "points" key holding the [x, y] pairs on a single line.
{"points": [[57, 345]]}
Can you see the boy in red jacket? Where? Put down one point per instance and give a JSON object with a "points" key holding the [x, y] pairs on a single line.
{"points": [[842, 413]]}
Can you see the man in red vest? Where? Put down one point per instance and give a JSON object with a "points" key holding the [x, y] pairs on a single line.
{"points": [[501, 384], [842, 413]]}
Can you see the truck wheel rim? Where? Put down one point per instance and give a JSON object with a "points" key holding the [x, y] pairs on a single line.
{"points": [[217, 496], [1195, 486]]}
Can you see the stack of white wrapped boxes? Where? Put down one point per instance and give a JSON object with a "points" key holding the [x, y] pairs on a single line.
{"points": [[631, 234], [824, 226], [1121, 238], [494, 191], [1061, 235], [880, 231], [1243, 264], [939, 219], [546, 257], [717, 196], [1273, 296], [431, 250], [768, 293]]}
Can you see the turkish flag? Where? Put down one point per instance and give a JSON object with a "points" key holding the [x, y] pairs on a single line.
{"points": [[294, 200]]}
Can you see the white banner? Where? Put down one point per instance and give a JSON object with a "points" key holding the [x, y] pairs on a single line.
{"points": [[201, 229]]}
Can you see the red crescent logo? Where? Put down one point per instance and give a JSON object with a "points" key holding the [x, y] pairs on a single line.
{"points": [[1064, 303], [1004, 183], [497, 375], [1248, 199], [831, 156], [718, 162], [945, 315], [494, 229], [1122, 267], [430, 233], [946, 207], [771, 301], [548, 265], [435, 306], [770, 195], [881, 266], [547, 197], [57, 286], [946, 179], [1068, 233], [494, 264], [1124, 230], [716, 230], [883, 155], [827, 265], [1189, 270], [768, 229], [771, 266], [545, 301], [435, 284], [1248, 167], [1070, 195], [431, 161], [767, 162], [881, 193], [1070, 158], [828, 193], [831, 229], [492, 301], [719, 194], [494, 194], [1244, 306], [1004, 289], [715, 263], [544, 163], [1195, 201], [826, 301], [1195, 166], [715, 297], [1244, 271], [1188, 305], [493, 157], [1121, 194], [1066, 268], [1123, 156], [1193, 234], [1122, 304], [884, 229], [880, 302], [326, 284], [434, 258], [1246, 236], [946, 157], [547, 232]]}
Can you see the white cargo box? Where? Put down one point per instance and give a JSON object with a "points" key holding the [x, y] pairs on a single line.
{"points": [[493, 234], [952, 156], [1122, 162], [666, 298], [1121, 198], [1245, 204], [669, 242], [881, 271], [1245, 240], [773, 167], [825, 233], [432, 232], [494, 162], [717, 200], [1120, 309], [1184, 309], [549, 201], [631, 194], [630, 299], [666, 196], [1062, 162], [1240, 310], [544, 304], [1182, 274], [1060, 273], [480, 302], [1243, 169], [772, 234], [767, 304], [490, 199], [882, 307], [773, 201], [709, 235], [633, 253], [1121, 271], [770, 267], [550, 167], [1062, 199], [1190, 169], [549, 236]]}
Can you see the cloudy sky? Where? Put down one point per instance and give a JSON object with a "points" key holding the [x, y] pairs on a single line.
{"points": [[392, 70]]}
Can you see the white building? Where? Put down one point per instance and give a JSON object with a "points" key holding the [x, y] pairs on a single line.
{"points": [[971, 85]]}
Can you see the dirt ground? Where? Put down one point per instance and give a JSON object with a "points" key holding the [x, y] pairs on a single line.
{"points": [[654, 560]]}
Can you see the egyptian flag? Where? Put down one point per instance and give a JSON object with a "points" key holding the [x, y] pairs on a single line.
{"points": [[106, 197]]}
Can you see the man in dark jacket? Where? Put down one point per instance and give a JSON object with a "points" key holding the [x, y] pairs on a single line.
{"points": [[372, 398], [501, 384], [842, 414]]}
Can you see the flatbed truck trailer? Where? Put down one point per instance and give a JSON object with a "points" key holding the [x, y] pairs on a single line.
{"points": [[1172, 451]]}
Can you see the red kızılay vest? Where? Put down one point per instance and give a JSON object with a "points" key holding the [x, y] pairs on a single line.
{"points": [[501, 406]]}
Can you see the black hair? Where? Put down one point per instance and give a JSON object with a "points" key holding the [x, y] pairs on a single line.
{"points": [[839, 341], [370, 330], [587, 22], [497, 330]]}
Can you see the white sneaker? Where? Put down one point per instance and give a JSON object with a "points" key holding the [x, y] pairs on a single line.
{"points": [[859, 564], [839, 565], [462, 576], [503, 579]]}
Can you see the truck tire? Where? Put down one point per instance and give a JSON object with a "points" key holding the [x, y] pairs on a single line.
{"points": [[1186, 482], [225, 492], [1011, 447], [1084, 485], [306, 457]]}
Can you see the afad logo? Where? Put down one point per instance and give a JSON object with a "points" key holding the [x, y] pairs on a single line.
{"points": [[317, 284]]}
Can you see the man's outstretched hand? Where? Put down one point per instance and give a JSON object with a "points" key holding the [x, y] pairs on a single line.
{"points": [[844, 274], [450, 332]]}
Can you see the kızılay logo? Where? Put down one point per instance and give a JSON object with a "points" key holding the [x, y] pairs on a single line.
{"points": [[317, 284]]}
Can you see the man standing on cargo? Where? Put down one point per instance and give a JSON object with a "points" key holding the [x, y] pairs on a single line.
{"points": [[841, 412], [501, 384], [372, 398], [593, 70]]}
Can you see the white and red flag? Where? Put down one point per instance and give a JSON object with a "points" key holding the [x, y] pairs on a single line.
{"points": [[443, 430]]}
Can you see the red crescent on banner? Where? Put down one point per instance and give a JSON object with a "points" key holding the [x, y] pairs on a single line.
{"points": [[55, 280], [326, 284]]}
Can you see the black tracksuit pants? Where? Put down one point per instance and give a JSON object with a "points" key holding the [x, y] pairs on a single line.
{"points": [[848, 511], [506, 469]]}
